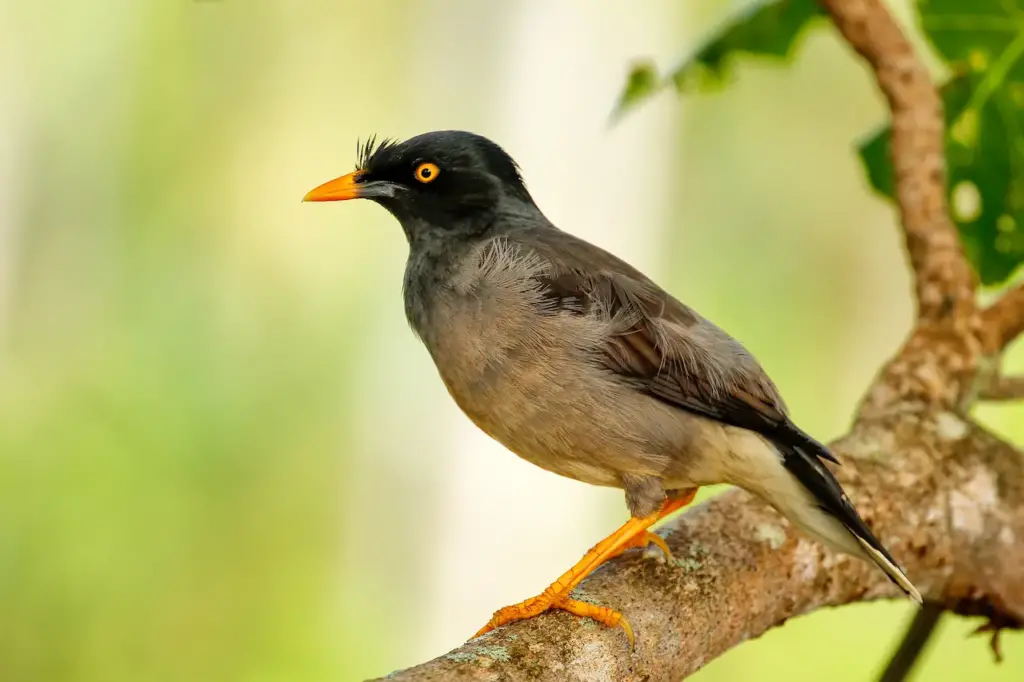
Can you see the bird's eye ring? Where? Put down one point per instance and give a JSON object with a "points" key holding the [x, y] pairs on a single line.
{"points": [[426, 172]]}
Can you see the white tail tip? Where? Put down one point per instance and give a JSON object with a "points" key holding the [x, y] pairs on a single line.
{"points": [[892, 570]]}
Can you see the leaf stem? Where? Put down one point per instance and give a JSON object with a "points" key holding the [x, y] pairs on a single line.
{"points": [[995, 76]]}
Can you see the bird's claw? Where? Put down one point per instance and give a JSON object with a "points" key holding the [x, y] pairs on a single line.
{"points": [[537, 605]]}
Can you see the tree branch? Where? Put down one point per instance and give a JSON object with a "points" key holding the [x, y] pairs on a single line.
{"points": [[1003, 388], [945, 284], [946, 496], [1004, 319]]}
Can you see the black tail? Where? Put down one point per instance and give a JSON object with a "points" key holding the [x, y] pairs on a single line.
{"points": [[802, 455]]}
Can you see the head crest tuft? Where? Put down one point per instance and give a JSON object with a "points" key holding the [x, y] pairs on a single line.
{"points": [[365, 151]]}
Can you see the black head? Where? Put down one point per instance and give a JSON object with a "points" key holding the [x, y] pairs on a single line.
{"points": [[435, 182]]}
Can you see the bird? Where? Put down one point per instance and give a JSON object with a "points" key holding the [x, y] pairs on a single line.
{"points": [[582, 365]]}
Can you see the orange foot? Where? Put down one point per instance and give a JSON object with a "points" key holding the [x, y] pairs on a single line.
{"points": [[631, 534]]}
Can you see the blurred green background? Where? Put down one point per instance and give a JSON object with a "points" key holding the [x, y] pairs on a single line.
{"points": [[223, 456]]}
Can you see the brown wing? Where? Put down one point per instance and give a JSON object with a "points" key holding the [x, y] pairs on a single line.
{"points": [[658, 344], [669, 351]]}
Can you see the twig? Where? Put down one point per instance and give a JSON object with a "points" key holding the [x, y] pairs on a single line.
{"points": [[945, 284], [1004, 320], [1003, 388], [914, 641]]}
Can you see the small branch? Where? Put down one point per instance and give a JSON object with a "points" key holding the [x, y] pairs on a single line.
{"points": [[914, 641], [1003, 321], [945, 284], [1003, 388]]}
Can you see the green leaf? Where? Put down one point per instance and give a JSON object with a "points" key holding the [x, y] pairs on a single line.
{"points": [[983, 43], [642, 82], [769, 28], [983, 40]]}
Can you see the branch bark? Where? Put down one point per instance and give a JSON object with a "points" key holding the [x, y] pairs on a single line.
{"points": [[944, 281], [945, 495], [1004, 319], [1004, 388], [939, 360]]}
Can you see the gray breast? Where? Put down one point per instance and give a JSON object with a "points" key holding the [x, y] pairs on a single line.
{"points": [[529, 379]]}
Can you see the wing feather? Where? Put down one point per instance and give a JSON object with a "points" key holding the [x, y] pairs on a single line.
{"points": [[664, 347]]}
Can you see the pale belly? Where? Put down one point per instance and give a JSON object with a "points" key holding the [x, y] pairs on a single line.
{"points": [[549, 402]]}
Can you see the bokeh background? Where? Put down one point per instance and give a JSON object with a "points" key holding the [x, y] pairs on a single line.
{"points": [[223, 456]]}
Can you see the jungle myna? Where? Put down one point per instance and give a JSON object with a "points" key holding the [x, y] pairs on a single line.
{"points": [[580, 364]]}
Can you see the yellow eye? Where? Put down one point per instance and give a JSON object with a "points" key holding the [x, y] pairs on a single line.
{"points": [[426, 172]]}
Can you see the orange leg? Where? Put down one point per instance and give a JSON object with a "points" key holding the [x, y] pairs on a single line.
{"points": [[631, 534], [644, 540], [647, 538]]}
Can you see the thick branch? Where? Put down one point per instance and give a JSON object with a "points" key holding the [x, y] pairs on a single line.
{"points": [[944, 281], [1004, 320], [946, 496]]}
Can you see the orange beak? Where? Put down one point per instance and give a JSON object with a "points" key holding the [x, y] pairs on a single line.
{"points": [[340, 189]]}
